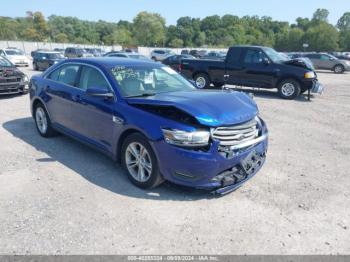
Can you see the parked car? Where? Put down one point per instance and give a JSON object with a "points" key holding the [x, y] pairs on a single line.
{"points": [[175, 61], [12, 80], [60, 50], [185, 52], [215, 55], [44, 59], [74, 52], [198, 53], [127, 55], [16, 56], [94, 51], [32, 54], [329, 62], [152, 120], [254, 66], [342, 57], [160, 55]]}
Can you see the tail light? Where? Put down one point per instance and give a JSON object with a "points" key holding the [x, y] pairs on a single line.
{"points": [[180, 67]]}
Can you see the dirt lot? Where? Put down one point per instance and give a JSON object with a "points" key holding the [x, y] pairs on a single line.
{"points": [[60, 197]]}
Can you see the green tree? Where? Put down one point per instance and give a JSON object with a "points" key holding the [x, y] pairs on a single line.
{"points": [[344, 22], [321, 15], [149, 29], [322, 37], [61, 38], [120, 36]]}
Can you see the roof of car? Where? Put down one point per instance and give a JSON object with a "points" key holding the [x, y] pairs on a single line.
{"points": [[109, 62]]}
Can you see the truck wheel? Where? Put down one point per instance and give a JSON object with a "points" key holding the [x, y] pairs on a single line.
{"points": [[202, 81], [289, 89], [339, 69], [140, 162]]}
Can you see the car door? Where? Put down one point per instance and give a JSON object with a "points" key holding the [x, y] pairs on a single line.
{"points": [[60, 89], [257, 69], [316, 60], [326, 62], [92, 115]]}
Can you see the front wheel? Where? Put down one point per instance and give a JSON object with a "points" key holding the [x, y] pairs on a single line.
{"points": [[339, 69], [140, 162], [202, 81], [289, 89]]}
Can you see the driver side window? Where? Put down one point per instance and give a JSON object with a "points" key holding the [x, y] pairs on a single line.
{"points": [[254, 57], [92, 78]]}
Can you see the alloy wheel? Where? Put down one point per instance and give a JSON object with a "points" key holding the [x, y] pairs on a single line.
{"points": [[200, 82], [288, 89], [138, 162], [41, 120]]}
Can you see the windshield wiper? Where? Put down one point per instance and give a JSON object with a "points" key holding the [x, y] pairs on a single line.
{"points": [[142, 95]]}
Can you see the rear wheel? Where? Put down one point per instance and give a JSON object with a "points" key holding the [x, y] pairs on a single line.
{"points": [[140, 162], [289, 89], [42, 121], [339, 69], [202, 81]]}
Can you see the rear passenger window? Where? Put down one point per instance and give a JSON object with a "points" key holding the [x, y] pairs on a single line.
{"points": [[90, 77], [234, 55], [68, 74]]}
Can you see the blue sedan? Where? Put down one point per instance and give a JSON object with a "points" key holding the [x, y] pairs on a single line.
{"points": [[152, 120]]}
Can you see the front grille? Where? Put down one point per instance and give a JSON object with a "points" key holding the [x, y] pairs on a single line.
{"points": [[11, 80], [237, 134]]}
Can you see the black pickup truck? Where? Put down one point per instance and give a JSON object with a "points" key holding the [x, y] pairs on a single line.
{"points": [[254, 66]]}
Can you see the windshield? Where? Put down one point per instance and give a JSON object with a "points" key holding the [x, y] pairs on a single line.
{"points": [[55, 56], [274, 55], [14, 52], [5, 63], [145, 80]]}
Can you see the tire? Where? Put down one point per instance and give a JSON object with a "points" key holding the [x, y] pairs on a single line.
{"points": [[202, 81], [42, 119], [154, 59], [133, 162], [339, 69], [35, 67], [289, 89]]}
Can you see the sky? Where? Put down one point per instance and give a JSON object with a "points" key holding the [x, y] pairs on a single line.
{"points": [[114, 10]]}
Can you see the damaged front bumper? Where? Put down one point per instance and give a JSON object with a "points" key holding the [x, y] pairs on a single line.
{"points": [[210, 170]]}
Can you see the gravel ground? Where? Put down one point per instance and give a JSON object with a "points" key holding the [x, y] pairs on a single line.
{"points": [[60, 197]]}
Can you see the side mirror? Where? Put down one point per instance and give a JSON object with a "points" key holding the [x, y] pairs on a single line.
{"points": [[266, 61], [99, 92]]}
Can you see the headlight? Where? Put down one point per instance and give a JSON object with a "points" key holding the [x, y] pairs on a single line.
{"points": [[309, 75], [186, 139]]}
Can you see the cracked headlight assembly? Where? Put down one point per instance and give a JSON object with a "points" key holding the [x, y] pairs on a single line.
{"points": [[186, 139]]}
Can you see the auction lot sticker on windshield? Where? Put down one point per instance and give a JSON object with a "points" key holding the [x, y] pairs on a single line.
{"points": [[149, 78], [169, 70]]}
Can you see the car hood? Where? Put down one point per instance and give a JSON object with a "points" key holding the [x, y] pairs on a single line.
{"points": [[17, 57], [210, 108], [9, 71], [300, 62]]}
